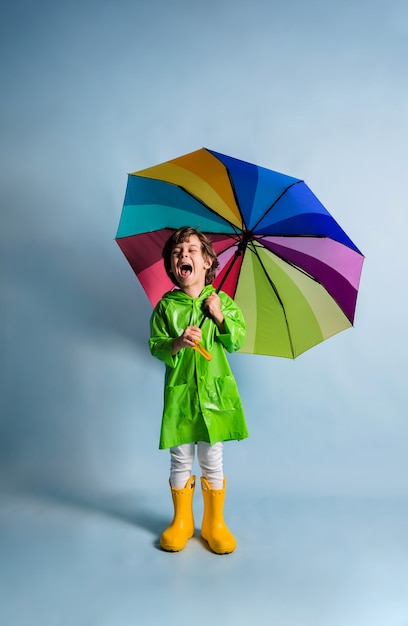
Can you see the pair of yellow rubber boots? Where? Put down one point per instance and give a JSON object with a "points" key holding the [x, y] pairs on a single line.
{"points": [[213, 528]]}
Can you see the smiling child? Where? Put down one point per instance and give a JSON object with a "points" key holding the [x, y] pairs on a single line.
{"points": [[202, 406]]}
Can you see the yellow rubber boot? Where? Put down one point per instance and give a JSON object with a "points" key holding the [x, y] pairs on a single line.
{"points": [[213, 528], [181, 529]]}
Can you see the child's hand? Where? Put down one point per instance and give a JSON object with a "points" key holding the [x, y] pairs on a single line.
{"points": [[213, 306], [188, 339]]}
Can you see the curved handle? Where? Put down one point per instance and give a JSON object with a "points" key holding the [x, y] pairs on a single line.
{"points": [[202, 351]]}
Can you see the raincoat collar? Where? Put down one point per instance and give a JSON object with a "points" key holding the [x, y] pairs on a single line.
{"points": [[179, 295]]}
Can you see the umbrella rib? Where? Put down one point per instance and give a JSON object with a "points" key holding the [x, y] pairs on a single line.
{"points": [[275, 202], [300, 269], [237, 254], [211, 210], [244, 226], [270, 281], [206, 206], [291, 263]]}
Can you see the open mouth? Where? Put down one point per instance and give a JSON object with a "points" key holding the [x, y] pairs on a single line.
{"points": [[185, 270]]}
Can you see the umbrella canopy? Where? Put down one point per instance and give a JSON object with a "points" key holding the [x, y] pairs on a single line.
{"points": [[283, 258]]}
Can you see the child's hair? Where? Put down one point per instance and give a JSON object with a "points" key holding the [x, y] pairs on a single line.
{"points": [[207, 249]]}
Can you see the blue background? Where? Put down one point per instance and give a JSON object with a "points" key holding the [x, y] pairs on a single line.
{"points": [[317, 496]]}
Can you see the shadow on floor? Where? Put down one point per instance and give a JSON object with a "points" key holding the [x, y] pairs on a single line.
{"points": [[130, 509]]}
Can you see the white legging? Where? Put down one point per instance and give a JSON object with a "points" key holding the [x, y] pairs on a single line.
{"points": [[209, 458]]}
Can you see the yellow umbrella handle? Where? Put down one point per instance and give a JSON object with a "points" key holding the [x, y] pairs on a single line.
{"points": [[202, 351]]}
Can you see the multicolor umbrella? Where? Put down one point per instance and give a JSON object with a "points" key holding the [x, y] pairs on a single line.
{"points": [[283, 258]]}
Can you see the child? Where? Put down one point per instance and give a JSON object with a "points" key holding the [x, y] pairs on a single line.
{"points": [[201, 402]]}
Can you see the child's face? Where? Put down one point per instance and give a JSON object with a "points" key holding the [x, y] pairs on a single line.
{"points": [[189, 266]]}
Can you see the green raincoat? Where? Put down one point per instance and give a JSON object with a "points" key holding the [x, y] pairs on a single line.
{"points": [[201, 399]]}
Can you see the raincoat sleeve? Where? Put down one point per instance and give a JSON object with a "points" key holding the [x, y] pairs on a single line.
{"points": [[161, 342], [234, 324]]}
